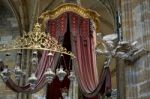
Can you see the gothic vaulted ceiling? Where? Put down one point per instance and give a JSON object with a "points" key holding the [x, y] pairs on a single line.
{"points": [[26, 10]]}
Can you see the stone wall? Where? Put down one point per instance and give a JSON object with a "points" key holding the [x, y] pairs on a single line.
{"points": [[8, 30]]}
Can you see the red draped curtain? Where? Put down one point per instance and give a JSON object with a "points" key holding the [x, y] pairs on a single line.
{"points": [[54, 89], [85, 65], [82, 45]]}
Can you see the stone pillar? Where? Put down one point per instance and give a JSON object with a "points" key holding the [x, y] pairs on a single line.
{"points": [[120, 65], [135, 23], [75, 89]]}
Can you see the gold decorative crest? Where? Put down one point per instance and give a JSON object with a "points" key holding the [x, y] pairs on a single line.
{"points": [[36, 40], [69, 7]]}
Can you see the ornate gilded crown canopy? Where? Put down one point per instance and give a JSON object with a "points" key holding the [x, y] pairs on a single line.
{"points": [[36, 40], [69, 7]]}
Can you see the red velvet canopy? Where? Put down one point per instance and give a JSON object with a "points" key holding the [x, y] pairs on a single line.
{"points": [[73, 28]]}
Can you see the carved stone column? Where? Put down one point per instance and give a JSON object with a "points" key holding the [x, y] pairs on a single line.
{"points": [[135, 23], [120, 65]]}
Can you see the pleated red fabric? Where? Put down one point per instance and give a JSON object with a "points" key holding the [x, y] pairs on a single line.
{"points": [[82, 38], [82, 44], [54, 90]]}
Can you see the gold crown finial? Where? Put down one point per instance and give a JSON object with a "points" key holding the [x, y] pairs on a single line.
{"points": [[37, 27]]}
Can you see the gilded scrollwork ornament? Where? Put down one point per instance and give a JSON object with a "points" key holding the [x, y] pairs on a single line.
{"points": [[36, 40]]}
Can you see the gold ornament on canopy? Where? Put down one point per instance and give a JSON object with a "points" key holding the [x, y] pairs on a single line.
{"points": [[36, 40]]}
